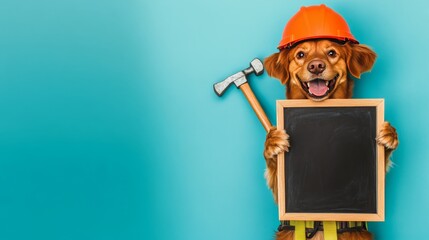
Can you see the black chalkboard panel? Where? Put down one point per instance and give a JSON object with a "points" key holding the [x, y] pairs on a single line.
{"points": [[332, 169]]}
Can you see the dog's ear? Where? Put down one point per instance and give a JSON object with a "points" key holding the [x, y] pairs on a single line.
{"points": [[277, 66], [360, 59]]}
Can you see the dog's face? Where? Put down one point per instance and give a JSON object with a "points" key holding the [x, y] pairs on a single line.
{"points": [[319, 69]]}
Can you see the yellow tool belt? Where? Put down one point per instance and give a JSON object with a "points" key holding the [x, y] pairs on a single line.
{"points": [[307, 229]]}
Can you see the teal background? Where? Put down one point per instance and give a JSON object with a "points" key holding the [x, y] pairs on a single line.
{"points": [[110, 129]]}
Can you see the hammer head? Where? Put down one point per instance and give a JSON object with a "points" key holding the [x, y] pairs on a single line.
{"points": [[257, 66], [239, 78]]}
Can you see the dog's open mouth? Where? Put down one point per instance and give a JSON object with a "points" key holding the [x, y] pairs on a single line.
{"points": [[319, 88]]}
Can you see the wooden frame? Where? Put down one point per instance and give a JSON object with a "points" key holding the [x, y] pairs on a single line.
{"points": [[380, 162]]}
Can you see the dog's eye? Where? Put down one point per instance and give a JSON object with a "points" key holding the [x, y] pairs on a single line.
{"points": [[332, 53], [300, 54]]}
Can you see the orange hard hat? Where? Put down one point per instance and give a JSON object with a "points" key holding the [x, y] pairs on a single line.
{"points": [[315, 22]]}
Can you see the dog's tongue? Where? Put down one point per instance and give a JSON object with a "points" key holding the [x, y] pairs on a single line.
{"points": [[318, 87]]}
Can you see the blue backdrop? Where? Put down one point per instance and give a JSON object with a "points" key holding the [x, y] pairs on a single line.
{"points": [[110, 129]]}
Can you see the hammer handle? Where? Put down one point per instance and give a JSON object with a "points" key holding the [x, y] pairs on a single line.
{"points": [[256, 106]]}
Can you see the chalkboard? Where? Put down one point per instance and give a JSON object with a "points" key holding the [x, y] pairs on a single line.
{"points": [[334, 169]]}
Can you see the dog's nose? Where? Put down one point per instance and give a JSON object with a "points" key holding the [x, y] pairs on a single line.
{"points": [[316, 66]]}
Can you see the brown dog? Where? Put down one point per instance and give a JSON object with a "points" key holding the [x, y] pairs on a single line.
{"points": [[318, 70]]}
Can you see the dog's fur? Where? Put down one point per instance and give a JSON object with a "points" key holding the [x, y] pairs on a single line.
{"points": [[294, 67]]}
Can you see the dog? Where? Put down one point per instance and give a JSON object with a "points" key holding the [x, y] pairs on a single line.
{"points": [[319, 69]]}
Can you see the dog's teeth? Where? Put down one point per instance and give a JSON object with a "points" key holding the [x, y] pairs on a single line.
{"points": [[326, 83], [308, 84]]}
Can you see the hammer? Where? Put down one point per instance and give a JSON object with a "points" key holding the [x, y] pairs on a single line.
{"points": [[240, 80]]}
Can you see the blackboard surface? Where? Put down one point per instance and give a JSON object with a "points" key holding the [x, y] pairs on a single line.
{"points": [[334, 169], [331, 164]]}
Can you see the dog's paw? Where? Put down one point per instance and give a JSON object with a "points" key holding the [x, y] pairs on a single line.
{"points": [[388, 137], [277, 141]]}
